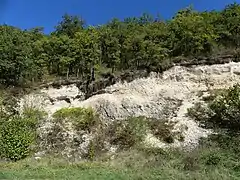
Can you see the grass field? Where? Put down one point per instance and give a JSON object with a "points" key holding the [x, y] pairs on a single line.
{"points": [[209, 162]]}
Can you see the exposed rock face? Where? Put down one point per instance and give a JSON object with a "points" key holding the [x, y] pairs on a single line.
{"points": [[159, 96]]}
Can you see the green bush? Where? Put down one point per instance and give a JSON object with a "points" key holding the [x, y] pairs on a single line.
{"points": [[228, 142], [18, 135], [82, 118], [91, 151], [162, 129], [132, 131], [128, 133], [8, 105], [16, 138], [33, 116], [190, 163], [199, 113], [212, 159], [237, 55], [224, 111]]}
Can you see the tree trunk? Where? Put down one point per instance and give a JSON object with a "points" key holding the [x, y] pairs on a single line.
{"points": [[67, 73], [113, 69], [58, 69], [93, 74], [77, 72]]}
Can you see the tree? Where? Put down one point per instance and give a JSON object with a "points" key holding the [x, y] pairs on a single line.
{"points": [[145, 19], [190, 34], [231, 22], [88, 54], [110, 47], [69, 25], [58, 54], [144, 42], [16, 63]]}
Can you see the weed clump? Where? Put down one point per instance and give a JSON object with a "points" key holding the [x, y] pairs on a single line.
{"points": [[81, 118], [131, 132], [128, 133], [162, 129]]}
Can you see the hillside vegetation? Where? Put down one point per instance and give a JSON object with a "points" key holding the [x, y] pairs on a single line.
{"points": [[79, 51], [54, 133], [216, 157]]}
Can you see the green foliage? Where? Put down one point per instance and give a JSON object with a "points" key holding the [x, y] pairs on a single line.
{"points": [[81, 118], [213, 159], [190, 162], [128, 133], [222, 110], [18, 133], [16, 60], [16, 138], [220, 113], [69, 25], [132, 131], [231, 23], [228, 142], [225, 109], [74, 50], [210, 161], [8, 104], [32, 117], [199, 113], [162, 130], [91, 151], [191, 34]]}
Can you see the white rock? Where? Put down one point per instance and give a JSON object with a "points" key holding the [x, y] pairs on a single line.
{"points": [[156, 96]]}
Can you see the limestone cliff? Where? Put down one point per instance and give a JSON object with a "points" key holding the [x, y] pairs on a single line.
{"points": [[161, 96]]}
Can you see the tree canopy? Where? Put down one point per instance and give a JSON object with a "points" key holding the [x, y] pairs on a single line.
{"points": [[145, 42]]}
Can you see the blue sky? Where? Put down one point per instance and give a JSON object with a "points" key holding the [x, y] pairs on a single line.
{"points": [[47, 13]]}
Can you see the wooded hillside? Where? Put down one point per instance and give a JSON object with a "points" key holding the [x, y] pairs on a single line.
{"points": [[146, 42]]}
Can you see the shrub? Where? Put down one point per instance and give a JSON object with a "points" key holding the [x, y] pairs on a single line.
{"points": [[228, 142], [91, 151], [18, 135], [8, 106], [131, 132], [199, 113], [33, 117], [82, 118], [128, 133], [237, 55], [225, 109], [190, 163], [222, 110], [16, 138], [70, 125], [213, 93], [162, 129], [8, 103], [212, 159]]}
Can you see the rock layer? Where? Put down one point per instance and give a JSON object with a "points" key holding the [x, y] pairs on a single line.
{"points": [[165, 96]]}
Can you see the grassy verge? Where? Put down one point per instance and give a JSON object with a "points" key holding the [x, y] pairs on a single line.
{"points": [[211, 161]]}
